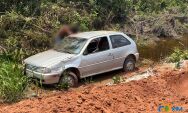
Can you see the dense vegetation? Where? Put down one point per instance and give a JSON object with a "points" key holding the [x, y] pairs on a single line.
{"points": [[28, 26]]}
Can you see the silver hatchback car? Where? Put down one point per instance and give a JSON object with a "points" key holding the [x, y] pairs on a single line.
{"points": [[82, 55]]}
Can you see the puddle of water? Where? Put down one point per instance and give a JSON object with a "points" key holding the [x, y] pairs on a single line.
{"points": [[162, 48]]}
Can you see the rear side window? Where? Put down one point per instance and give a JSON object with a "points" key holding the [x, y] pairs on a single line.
{"points": [[119, 41]]}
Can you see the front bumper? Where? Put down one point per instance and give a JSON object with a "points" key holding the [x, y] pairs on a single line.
{"points": [[50, 78]]}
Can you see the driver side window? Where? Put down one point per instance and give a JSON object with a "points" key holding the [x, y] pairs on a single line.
{"points": [[97, 45]]}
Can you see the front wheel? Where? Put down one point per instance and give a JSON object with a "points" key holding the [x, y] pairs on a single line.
{"points": [[129, 64], [68, 79]]}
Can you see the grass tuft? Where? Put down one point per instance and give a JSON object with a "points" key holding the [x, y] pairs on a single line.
{"points": [[12, 81]]}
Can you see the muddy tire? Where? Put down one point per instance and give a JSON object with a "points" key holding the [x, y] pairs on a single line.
{"points": [[129, 64], [69, 78]]}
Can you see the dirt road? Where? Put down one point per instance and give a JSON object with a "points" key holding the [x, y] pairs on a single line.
{"points": [[167, 88]]}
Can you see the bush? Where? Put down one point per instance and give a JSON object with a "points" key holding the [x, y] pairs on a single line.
{"points": [[178, 55], [12, 81]]}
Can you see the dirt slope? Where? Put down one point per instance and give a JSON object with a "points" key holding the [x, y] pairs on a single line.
{"points": [[144, 96]]}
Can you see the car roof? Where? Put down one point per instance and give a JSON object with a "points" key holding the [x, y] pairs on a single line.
{"points": [[92, 34]]}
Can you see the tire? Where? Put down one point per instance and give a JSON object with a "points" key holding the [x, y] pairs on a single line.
{"points": [[129, 64], [70, 78]]}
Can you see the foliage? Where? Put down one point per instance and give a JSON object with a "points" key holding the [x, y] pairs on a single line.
{"points": [[88, 80], [14, 53], [178, 55], [33, 23], [64, 84], [116, 79], [12, 81]]}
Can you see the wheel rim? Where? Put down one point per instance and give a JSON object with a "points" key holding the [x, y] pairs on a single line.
{"points": [[130, 66], [69, 80]]}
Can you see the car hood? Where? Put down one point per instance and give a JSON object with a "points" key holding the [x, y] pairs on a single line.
{"points": [[48, 58]]}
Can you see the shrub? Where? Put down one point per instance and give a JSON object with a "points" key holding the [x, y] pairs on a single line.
{"points": [[178, 55]]}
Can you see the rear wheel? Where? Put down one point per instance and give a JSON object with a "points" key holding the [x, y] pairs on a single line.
{"points": [[129, 64], [69, 78]]}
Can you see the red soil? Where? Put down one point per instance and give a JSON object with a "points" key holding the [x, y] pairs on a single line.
{"points": [[144, 96]]}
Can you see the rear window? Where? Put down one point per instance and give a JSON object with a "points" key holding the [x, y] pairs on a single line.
{"points": [[119, 41]]}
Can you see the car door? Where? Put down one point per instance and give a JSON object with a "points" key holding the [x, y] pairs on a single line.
{"points": [[120, 49], [97, 57]]}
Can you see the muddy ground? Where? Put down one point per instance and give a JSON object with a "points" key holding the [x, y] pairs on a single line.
{"points": [[167, 86]]}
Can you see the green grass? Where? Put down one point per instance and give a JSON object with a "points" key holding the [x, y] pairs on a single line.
{"points": [[12, 81]]}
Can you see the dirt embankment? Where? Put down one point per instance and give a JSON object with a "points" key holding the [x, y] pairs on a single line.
{"points": [[144, 96]]}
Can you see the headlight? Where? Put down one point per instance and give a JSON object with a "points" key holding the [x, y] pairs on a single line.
{"points": [[42, 70]]}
